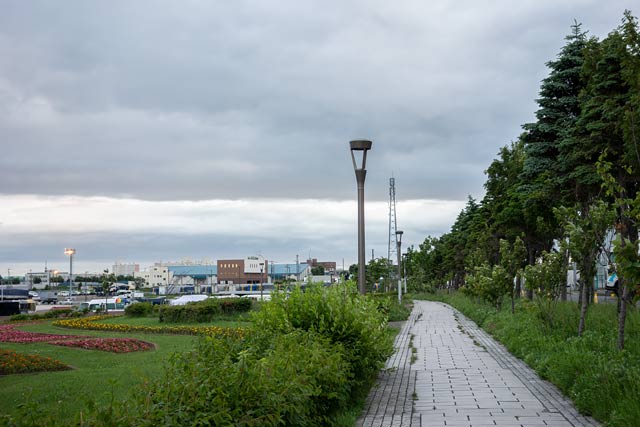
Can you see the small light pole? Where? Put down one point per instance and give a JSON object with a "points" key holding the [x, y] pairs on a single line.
{"points": [[404, 272], [105, 289], [399, 243], [261, 268], [361, 173], [70, 252]]}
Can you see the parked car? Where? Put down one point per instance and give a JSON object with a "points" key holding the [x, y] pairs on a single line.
{"points": [[63, 293], [51, 299]]}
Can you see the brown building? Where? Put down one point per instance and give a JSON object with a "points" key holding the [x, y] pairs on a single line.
{"points": [[329, 267], [249, 270]]}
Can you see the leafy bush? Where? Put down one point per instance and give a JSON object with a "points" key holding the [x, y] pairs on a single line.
{"points": [[203, 311], [297, 379], [138, 309], [51, 314], [342, 316], [389, 306]]}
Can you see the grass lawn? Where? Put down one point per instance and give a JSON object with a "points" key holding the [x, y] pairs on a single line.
{"points": [[96, 378]]}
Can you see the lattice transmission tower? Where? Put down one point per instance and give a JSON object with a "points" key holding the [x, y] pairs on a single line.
{"points": [[392, 250]]}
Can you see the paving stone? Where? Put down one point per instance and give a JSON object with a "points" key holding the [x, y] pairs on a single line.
{"points": [[462, 377]]}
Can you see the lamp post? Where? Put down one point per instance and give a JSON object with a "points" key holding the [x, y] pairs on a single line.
{"points": [[105, 289], [361, 173], [261, 268], [70, 252], [404, 271], [399, 243]]}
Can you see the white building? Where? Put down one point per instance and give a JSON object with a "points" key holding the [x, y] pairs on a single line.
{"points": [[156, 276], [122, 269]]}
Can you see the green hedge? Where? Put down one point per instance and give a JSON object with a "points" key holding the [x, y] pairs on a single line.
{"points": [[138, 309], [51, 314], [203, 311]]}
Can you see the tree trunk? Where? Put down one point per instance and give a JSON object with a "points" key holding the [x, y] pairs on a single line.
{"points": [[563, 293], [532, 260], [579, 294], [515, 293], [622, 316], [583, 307]]}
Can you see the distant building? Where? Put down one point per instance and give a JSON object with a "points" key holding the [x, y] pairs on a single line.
{"points": [[120, 269], [329, 266], [279, 272], [250, 270], [200, 277], [157, 276], [38, 280]]}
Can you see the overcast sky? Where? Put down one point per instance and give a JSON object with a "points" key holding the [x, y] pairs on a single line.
{"points": [[150, 131]]}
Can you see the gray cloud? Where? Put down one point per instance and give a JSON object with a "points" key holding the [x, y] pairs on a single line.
{"points": [[193, 100], [254, 100]]}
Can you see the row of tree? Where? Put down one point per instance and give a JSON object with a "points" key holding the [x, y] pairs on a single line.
{"points": [[569, 181]]}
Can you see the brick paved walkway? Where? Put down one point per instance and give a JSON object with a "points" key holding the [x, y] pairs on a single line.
{"points": [[448, 372]]}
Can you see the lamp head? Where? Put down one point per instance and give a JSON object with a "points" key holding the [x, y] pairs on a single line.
{"points": [[69, 251], [399, 235], [360, 145], [363, 145]]}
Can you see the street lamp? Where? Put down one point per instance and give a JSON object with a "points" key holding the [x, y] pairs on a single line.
{"points": [[399, 243], [261, 268], [361, 173], [70, 252], [404, 270]]}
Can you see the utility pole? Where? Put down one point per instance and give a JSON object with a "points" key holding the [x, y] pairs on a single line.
{"points": [[393, 227]]}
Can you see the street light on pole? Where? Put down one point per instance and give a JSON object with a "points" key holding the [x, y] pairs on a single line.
{"points": [[70, 252], [399, 243], [261, 268], [404, 271], [361, 173]]}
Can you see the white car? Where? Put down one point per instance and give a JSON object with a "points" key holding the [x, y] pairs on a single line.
{"points": [[67, 301]]}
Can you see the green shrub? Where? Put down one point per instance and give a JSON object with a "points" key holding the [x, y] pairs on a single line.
{"points": [[51, 314], [389, 306], [342, 316], [203, 311], [297, 379], [138, 309]]}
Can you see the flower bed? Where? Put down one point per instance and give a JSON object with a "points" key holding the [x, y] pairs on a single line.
{"points": [[113, 345], [16, 363], [9, 333], [92, 323]]}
